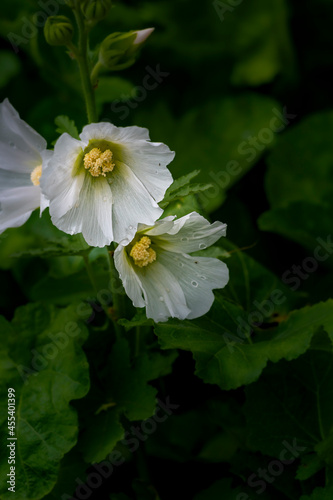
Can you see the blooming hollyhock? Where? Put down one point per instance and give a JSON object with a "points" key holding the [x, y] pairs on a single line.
{"points": [[106, 183], [157, 272], [22, 152]]}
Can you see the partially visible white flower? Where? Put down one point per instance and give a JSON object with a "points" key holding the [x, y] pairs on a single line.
{"points": [[157, 272], [106, 183], [22, 153]]}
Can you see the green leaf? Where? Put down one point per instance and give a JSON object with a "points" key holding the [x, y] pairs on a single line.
{"points": [[139, 319], [97, 445], [222, 353], [292, 403], [126, 393], [46, 366], [182, 187], [301, 163], [310, 465], [111, 88], [75, 245], [224, 153], [65, 124], [320, 494], [305, 223]]}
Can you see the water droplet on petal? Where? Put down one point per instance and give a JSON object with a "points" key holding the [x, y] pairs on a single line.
{"points": [[203, 277], [184, 239], [181, 264], [161, 298], [130, 228], [194, 283], [202, 246]]}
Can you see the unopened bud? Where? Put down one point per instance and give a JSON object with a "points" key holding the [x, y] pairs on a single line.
{"points": [[119, 50], [95, 10], [58, 30]]}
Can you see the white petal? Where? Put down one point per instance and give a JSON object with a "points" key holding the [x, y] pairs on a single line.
{"points": [[132, 204], [142, 35], [91, 215], [57, 182], [16, 160], [197, 276], [44, 203], [191, 233], [18, 133], [164, 296], [110, 132], [16, 206], [149, 160], [12, 179], [128, 276]]}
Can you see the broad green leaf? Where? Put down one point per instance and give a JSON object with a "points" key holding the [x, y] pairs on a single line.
{"points": [[75, 245], [230, 145], [102, 435], [291, 406], [320, 494], [306, 223], [46, 366], [222, 350], [65, 124], [301, 163], [126, 392], [112, 88], [310, 465], [72, 466]]}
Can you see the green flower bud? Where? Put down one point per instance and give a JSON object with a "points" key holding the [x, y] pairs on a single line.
{"points": [[95, 10], [119, 50], [58, 30]]}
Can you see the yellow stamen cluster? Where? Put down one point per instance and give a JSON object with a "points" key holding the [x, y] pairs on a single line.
{"points": [[141, 252], [98, 163], [36, 175]]}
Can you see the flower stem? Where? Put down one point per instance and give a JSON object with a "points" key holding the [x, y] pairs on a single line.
{"points": [[92, 279], [94, 73], [82, 59]]}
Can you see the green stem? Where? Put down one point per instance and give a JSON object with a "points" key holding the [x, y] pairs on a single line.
{"points": [[82, 59], [94, 73], [92, 279], [117, 297]]}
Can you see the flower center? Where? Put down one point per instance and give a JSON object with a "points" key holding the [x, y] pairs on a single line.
{"points": [[35, 175], [141, 252], [98, 163]]}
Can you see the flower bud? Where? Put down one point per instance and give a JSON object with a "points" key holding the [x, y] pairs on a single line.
{"points": [[119, 50], [58, 30], [95, 10]]}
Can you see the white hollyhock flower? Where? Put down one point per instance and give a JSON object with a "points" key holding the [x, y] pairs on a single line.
{"points": [[22, 153], [106, 183], [157, 272]]}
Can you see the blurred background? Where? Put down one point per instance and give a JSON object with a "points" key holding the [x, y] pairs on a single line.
{"points": [[241, 92]]}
